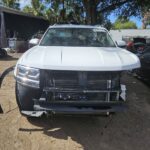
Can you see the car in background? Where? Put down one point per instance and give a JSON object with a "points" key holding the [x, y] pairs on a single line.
{"points": [[144, 71], [136, 47]]}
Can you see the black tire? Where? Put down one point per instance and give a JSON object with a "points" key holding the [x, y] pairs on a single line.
{"points": [[25, 96], [3, 53]]}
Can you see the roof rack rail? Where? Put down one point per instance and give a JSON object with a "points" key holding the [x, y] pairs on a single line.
{"points": [[68, 22]]}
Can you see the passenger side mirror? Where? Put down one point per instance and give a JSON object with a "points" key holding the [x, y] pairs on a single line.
{"points": [[121, 44]]}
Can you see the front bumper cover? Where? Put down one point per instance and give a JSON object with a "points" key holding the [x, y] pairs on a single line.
{"points": [[77, 107], [103, 108]]}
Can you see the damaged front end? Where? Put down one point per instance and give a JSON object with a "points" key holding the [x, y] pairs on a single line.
{"points": [[79, 92], [68, 92]]}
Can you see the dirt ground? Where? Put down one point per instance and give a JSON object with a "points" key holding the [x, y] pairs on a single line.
{"points": [[128, 130]]}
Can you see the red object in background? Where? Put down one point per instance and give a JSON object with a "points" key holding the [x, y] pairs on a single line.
{"points": [[130, 46]]}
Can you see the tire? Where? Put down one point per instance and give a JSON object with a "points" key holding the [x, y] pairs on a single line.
{"points": [[3, 53], [25, 96]]}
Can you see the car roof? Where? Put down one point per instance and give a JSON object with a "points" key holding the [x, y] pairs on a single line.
{"points": [[76, 26]]}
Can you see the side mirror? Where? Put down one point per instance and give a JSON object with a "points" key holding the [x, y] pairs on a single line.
{"points": [[33, 42], [121, 44]]}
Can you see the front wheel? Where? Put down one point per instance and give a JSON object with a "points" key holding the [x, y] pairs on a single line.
{"points": [[25, 96]]}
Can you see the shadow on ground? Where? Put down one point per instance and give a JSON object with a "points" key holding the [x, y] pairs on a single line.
{"points": [[8, 58], [86, 131]]}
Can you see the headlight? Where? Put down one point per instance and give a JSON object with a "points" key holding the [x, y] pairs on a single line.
{"points": [[28, 76]]}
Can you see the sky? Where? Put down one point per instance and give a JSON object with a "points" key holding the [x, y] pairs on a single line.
{"points": [[24, 3], [112, 17], [137, 21]]}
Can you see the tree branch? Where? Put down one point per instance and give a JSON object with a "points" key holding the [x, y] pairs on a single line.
{"points": [[113, 6]]}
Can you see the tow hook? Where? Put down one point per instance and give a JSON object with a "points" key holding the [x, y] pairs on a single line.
{"points": [[2, 76]]}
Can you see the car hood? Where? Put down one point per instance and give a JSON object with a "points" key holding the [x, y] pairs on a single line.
{"points": [[79, 58]]}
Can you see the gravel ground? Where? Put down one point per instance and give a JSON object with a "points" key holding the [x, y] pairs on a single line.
{"points": [[121, 131]]}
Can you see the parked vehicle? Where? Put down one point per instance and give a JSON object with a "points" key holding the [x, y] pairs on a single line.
{"points": [[74, 69], [136, 47], [144, 71]]}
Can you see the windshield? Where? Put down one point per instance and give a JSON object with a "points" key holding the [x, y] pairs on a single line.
{"points": [[87, 37]]}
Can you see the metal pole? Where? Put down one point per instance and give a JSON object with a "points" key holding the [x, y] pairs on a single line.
{"points": [[3, 32]]}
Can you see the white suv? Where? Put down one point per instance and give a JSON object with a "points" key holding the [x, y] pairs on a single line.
{"points": [[74, 69]]}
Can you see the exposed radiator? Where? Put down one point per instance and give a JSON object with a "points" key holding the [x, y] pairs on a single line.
{"points": [[82, 85]]}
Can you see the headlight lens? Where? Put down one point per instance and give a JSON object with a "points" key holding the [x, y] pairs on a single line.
{"points": [[28, 76]]}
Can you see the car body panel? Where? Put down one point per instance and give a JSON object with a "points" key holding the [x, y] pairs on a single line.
{"points": [[79, 58]]}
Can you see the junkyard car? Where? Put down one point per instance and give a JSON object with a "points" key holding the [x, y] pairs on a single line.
{"points": [[144, 71], [136, 47], [75, 69]]}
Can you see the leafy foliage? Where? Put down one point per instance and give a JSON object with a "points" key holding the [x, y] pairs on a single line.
{"points": [[11, 3], [86, 11], [36, 8], [121, 23]]}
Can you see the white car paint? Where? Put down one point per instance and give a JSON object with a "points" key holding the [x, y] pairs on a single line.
{"points": [[34, 41], [79, 58]]}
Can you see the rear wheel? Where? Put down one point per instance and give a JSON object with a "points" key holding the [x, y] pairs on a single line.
{"points": [[25, 96]]}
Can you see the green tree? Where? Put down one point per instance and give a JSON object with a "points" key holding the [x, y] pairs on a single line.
{"points": [[28, 9], [124, 23], [37, 8], [64, 10], [120, 7], [11, 3], [45, 9], [87, 11]]}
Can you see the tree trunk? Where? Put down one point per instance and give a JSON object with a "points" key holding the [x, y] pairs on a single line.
{"points": [[91, 12]]}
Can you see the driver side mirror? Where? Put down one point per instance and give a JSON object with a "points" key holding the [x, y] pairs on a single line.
{"points": [[33, 42]]}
